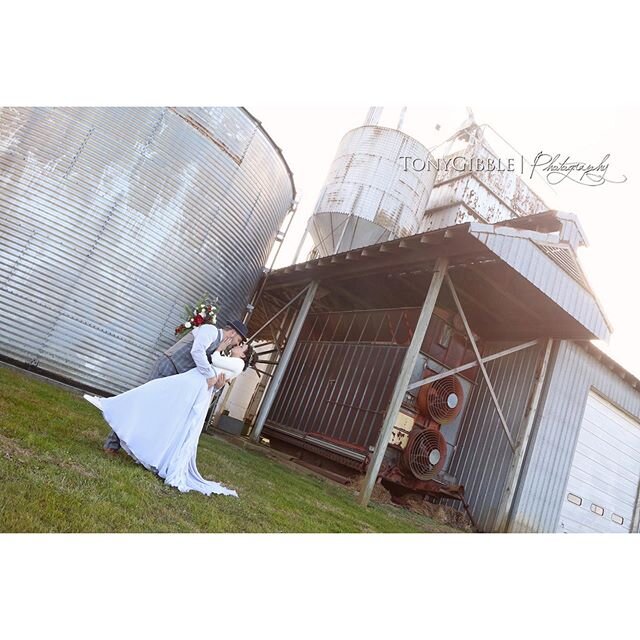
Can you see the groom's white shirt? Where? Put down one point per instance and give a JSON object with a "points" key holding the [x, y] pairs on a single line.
{"points": [[203, 336]]}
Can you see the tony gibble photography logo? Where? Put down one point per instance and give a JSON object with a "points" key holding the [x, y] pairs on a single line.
{"points": [[555, 168]]}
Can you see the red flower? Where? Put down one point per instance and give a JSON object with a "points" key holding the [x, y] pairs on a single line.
{"points": [[198, 320]]}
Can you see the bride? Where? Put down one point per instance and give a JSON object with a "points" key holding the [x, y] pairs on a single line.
{"points": [[159, 423]]}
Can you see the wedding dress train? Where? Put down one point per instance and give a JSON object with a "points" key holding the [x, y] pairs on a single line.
{"points": [[159, 424]]}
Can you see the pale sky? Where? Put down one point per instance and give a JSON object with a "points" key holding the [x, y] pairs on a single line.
{"points": [[609, 213]]}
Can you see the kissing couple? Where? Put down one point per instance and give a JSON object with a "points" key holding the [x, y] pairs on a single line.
{"points": [[159, 423]]}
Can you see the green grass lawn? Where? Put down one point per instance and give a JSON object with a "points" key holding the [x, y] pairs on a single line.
{"points": [[54, 477]]}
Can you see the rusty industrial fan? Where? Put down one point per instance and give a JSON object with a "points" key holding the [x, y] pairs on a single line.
{"points": [[425, 453], [438, 403], [440, 400]]}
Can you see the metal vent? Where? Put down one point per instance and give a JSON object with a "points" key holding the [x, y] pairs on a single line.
{"points": [[425, 453], [441, 400], [565, 259]]}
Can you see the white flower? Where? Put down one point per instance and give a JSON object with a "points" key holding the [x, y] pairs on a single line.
{"points": [[187, 325], [203, 314], [213, 318]]}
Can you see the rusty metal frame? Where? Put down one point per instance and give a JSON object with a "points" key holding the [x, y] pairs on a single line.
{"points": [[386, 319], [359, 332]]}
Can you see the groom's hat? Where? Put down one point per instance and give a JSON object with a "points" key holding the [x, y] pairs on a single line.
{"points": [[240, 327]]}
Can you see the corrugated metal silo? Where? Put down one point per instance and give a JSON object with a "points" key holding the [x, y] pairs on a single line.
{"points": [[368, 196], [113, 219]]}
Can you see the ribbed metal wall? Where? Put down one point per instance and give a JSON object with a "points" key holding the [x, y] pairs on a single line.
{"points": [[483, 455], [112, 219], [338, 389], [545, 473]]}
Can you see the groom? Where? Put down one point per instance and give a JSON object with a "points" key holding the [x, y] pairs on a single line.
{"points": [[188, 353]]}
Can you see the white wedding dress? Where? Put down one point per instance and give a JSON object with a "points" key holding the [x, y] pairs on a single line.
{"points": [[159, 423]]}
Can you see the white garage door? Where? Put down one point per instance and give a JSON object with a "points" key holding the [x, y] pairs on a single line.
{"points": [[603, 483]]}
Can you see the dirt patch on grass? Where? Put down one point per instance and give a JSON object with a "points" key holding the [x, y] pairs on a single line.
{"points": [[11, 450], [379, 494], [417, 504], [77, 468], [440, 512]]}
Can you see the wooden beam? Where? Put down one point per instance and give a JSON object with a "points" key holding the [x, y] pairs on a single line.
{"points": [[402, 381], [434, 239], [391, 260], [506, 503]]}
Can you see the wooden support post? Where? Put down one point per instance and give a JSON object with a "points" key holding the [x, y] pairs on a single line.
{"points": [[474, 346], [635, 520], [274, 385], [402, 381], [517, 460]]}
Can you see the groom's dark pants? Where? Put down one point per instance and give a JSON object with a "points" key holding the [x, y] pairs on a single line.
{"points": [[161, 369]]}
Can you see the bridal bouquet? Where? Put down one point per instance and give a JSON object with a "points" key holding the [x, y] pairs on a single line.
{"points": [[202, 313]]}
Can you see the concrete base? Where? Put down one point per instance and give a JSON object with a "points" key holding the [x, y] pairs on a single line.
{"points": [[230, 425]]}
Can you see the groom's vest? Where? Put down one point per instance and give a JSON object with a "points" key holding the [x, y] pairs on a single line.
{"points": [[180, 352]]}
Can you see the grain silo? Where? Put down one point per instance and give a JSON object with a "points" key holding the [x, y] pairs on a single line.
{"points": [[368, 196], [113, 219]]}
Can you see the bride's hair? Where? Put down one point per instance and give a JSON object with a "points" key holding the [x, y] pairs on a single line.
{"points": [[250, 357]]}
